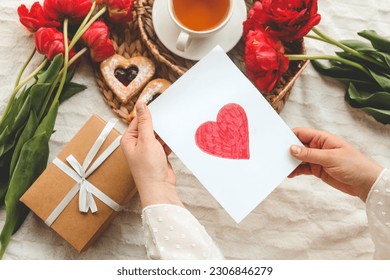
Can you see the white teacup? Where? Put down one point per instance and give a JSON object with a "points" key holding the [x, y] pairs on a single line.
{"points": [[187, 33]]}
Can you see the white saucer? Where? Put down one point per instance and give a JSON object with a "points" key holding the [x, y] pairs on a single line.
{"points": [[167, 31]]}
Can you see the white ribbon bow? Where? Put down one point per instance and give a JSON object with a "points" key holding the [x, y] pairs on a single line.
{"points": [[80, 173]]}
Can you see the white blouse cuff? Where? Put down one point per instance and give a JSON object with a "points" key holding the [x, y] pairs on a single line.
{"points": [[378, 214], [172, 232]]}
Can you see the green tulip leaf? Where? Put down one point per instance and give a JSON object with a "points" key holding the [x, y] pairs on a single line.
{"points": [[26, 135], [22, 97], [4, 134], [357, 45], [38, 95], [382, 79], [10, 142], [376, 104], [361, 85], [32, 161], [22, 115], [4, 178], [378, 100], [373, 55], [48, 122], [15, 107], [6, 142], [380, 56], [337, 70], [1, 151], [71, 89], [385, 57], [11, 133], [51, 73], [70, 74], [378, 42], [345, 74], [380, 115]]}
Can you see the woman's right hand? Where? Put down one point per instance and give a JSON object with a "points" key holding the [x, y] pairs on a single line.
{"points": [[147, 159], [335, 161]]}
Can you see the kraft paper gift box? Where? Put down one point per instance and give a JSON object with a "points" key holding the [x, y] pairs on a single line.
{"points": [[55, 187]]}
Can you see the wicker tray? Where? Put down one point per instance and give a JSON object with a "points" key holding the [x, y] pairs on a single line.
{"points": [[139, 38]]}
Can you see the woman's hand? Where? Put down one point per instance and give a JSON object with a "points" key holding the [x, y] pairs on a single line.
{"points": [[335, 161], [148, 163]]}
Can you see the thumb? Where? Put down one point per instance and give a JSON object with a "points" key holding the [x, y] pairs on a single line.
{"points": [[309, 155], [144, 119]]}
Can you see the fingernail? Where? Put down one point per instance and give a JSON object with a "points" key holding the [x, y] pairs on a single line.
{"points": [[140, 108], [296, 149]]}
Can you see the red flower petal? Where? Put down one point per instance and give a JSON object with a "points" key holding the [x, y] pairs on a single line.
{"points": [[50, 42], [35, 18], [286, 20], [120, 11], [75, 10], [97, 39], [264, 59]]}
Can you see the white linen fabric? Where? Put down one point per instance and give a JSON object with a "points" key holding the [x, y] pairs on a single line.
{"points": [[172, 232], [302, 218]]}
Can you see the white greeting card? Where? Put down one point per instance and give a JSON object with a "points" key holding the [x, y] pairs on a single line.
{"points": [[226, 133]]}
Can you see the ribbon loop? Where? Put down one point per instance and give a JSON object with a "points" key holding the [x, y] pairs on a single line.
{"points": [[76, 165], [98, 143], [80, 173]]}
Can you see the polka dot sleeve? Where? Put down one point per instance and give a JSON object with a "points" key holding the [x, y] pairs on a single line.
{"points": [[172, 232], [378, 214]]}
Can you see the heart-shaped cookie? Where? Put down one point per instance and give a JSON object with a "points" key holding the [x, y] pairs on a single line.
{"points": [[228, 137], [141, 67], [152, 90], [126, 76]]}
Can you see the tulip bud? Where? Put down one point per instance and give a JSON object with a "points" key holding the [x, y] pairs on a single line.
{"points": [[120, 11], [97, 39], [50, 42]]}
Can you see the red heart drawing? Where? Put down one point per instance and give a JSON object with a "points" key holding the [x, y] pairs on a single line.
{"points": [[227, 137]]}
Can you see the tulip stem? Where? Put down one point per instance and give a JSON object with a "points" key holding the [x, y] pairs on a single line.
{"points": [[29, 77], [84, 28], [347, 49], [24, 68], [316, 38], [63, 72], [87, 17], [77, 56], [66, 62], [21, 84], [327, 57], [71, 61]]}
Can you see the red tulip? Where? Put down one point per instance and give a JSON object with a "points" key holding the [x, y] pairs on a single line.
{"points": [[97, 39], [286, 20], [75, 10], [120, 11], [102, 52], [35, 18], [50, 42], [264, 59]]}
